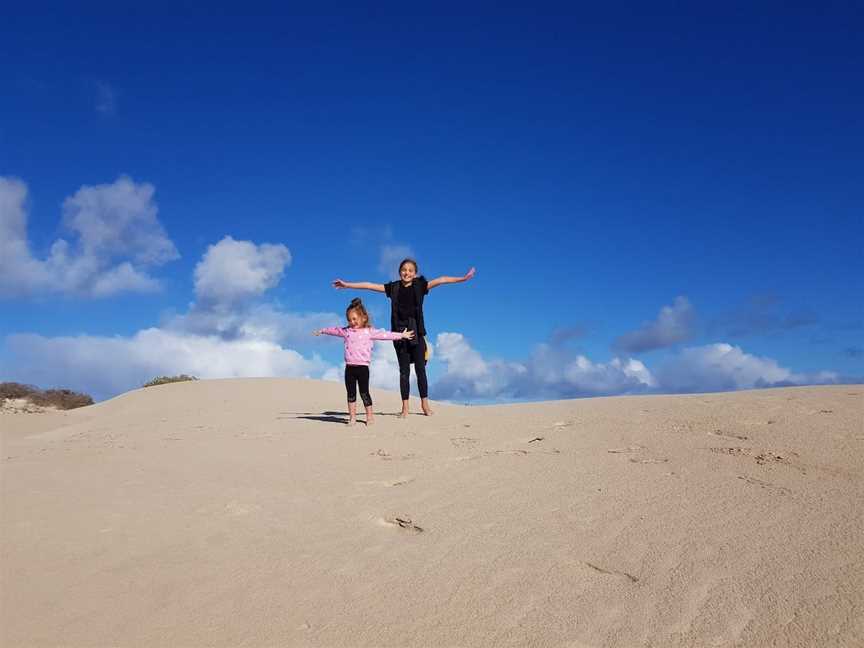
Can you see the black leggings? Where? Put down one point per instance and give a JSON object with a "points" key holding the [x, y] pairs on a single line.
{"points": [[358, 374], [406, 354]]}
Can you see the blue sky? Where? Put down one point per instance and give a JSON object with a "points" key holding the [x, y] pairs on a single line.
{"points": [[657, 198]]}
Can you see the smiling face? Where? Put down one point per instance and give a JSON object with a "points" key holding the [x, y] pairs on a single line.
{"points": [[407, 271], [356, 319]]}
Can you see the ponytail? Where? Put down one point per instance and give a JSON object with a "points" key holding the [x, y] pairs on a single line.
{"points": [[357, 305]]}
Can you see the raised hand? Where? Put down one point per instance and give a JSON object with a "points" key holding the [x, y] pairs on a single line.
{"points": [[316, 332], [339, 284], [469, 274]]}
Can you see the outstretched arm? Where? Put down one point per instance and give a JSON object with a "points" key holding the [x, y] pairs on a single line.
{"points": [[330, 330], [381, 334], [357, 285], [440, 281]]}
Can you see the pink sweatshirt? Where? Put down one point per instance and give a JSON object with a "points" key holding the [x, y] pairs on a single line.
{"points": [[358, 342]]}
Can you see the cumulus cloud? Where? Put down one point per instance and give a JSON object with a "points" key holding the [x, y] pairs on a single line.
{"points": [[229, 280], [723, 367], [384, 368], [119, 219], [227, 332], [116, 236], [674, 324], [233, 272], [391, 255], [20, 273], [256, 321], [105, 366], [549, 373]]}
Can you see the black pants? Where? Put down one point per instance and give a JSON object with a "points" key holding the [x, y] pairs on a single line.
{"points": [[406, 354], [358, 374]]}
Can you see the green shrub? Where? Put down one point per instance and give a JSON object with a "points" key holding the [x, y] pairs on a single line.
{"points": [[60, 398], [164, 380], [16, 390]]}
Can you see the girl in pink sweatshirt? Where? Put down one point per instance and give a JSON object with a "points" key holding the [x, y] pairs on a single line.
{"points": [[359, 336]]}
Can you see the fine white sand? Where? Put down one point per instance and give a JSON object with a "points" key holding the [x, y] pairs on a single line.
{"points": [[246, 513]]}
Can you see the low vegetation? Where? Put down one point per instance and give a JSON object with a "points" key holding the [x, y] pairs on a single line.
{"points": [[58, 398], [164, 380]]}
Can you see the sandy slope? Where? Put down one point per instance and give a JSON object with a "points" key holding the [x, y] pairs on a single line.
{"points": [[245, 513]]}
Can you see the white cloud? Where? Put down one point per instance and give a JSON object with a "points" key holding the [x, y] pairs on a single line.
{"points": [[232, 271], [116, 235], [225, 335], [122, 278], [105, 366], [119, 219], [549, 373], [722, 367], [391, 255], [13, 215], [254, 322], [384, 368], [674, 324], [228, 279], [20, 273]]}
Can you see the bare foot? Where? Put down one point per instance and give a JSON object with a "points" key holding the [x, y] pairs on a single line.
{"points": [[403, 414], [424, 403], [352, 421], [370, 420]]}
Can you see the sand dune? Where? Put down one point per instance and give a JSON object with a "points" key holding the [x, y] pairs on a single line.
{"points": [[245, 513]]}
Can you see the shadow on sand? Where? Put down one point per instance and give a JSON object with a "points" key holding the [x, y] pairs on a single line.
{"points": [[334, 417], [324, 417]]}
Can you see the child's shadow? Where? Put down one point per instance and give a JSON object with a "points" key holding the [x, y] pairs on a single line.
{"points": [[324, 417]]}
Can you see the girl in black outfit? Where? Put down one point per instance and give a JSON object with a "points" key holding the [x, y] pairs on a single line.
{"points": [[406, 312]]}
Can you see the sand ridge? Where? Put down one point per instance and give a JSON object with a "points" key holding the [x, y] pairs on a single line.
{"points": [[246, 513]]}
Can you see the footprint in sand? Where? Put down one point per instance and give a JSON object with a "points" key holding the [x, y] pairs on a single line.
{"points": [[560, 425], [520, 452], [386, 456], [607, 572], [402, 522], [789, 460], [464, 458], [390, 483], [635, 449], [464, 442], [763, 457], [729, 435], [681, 428], [236, 508], [734, 452], [628, 450], [780, 490]]}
